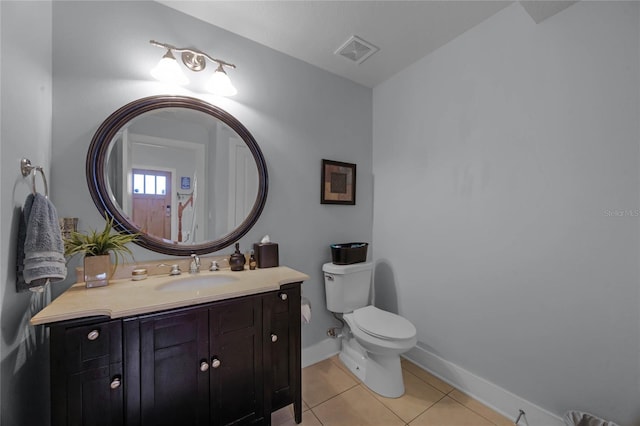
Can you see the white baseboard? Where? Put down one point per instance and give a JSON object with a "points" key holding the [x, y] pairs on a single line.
{"points": [[320, 351], [493, 396]]}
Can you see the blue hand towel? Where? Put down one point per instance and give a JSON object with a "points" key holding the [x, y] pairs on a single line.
{"points": [[43, 248]]}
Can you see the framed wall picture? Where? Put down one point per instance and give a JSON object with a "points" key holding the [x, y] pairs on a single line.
{"points": [[185, 182], [338, 183]]}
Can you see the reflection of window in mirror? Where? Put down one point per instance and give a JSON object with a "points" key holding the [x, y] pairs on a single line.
{"points": [[149, 183]]}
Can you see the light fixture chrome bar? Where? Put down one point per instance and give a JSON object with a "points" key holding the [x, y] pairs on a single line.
{"points": [[192, 58]]}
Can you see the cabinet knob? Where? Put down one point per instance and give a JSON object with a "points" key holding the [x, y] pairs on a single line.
{"points": [[115, 382], [215, 363], [274, 337], [93, 335], [204, 365], [283, 296]]}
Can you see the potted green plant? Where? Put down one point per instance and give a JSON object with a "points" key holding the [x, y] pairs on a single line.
{"points": [[97, 247]]}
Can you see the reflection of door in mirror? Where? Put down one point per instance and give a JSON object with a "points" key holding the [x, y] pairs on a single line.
{"points": [[185, 163], [243, 182], [151, 201]]}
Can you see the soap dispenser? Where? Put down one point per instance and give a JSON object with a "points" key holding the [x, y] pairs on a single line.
{"points": [[252, 261], [237, 260]]}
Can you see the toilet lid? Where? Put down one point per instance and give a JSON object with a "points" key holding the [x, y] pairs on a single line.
{"points": [[383, 324]]}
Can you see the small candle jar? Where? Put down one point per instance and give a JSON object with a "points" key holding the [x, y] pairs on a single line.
{"points": [[139, 274]]}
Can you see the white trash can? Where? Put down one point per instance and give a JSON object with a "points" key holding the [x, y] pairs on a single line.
{"points": [[578, 418]]}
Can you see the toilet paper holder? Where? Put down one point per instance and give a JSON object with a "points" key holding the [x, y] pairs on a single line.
{"points": [[305, 310]]}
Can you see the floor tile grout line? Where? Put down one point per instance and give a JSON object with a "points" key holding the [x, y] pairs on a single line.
{"points": [[331, 397], [423, 411], [316, 416], [444, 394], [429, 373], [366, 390], [429, 407], [382, 401], [453, 388], [344, 369], [465, 405], [356, 383], [383, 404], [429, 384], [472, 410]]}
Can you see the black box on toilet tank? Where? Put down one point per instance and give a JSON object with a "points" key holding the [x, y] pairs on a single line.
{"points": [[266, 254], [348, 253]]}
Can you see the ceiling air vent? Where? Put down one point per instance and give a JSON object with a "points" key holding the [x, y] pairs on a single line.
{"points": [[356, 50]]}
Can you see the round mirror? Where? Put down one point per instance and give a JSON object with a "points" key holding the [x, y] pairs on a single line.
{"points": [[185, 174]]}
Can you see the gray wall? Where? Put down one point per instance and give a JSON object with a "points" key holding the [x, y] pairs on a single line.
{"points": [[506, 204], [297, 113], [25, 131], [512, 151]]}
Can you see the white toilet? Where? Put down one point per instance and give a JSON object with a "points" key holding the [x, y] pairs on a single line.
{"points": [[372, 346]]}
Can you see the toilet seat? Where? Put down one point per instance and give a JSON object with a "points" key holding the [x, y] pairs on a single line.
{"points": [[382, 324]]}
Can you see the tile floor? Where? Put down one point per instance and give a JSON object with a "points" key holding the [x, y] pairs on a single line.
{"points": [[331, 395]]}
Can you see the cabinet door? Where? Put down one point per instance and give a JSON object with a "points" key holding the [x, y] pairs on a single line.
{"points": [[174, 369], [95, 397], [86, 373], [282, 350], [236, 358]]}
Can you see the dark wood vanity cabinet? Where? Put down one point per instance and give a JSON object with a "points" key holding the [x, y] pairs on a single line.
{"points": [[221, 363]]}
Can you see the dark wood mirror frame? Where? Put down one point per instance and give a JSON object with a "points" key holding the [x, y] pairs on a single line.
{"points": [[96, 173]]}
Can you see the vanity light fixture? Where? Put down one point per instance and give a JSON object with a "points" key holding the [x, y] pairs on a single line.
{"points": [[220, 84], [169, 71]]}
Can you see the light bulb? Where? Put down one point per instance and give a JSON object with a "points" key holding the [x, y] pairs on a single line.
{"points": [[220, 83], [168, 70]]}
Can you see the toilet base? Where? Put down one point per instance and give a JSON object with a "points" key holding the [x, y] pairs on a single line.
{"points": [[380, 373]]}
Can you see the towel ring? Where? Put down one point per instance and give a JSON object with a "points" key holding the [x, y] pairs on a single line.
{"points": [[27, 168]]}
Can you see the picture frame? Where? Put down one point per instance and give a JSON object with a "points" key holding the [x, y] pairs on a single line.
{"points": [[185, 182], [338, 183]]}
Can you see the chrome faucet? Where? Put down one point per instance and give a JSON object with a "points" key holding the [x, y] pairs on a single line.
{"points": [[194, 267]]}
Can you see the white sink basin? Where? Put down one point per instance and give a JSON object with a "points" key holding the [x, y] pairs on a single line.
{"points": [[196, 282]]}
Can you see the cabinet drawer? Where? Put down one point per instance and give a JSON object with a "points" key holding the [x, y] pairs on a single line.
{"points": [[237, 315], [93, 345], [280, 300]]}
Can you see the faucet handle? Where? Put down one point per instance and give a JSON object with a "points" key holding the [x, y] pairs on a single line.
{"points": [[175, 268], [214, 266]]}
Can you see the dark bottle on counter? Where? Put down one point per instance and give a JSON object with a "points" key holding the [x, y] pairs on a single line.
{"points": [[252, 261], [237, 260]]}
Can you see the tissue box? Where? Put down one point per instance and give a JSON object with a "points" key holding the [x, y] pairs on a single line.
{"points": [[266, 254]]}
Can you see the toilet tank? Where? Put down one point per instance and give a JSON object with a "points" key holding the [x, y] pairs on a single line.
{"points": [[347, 286]]}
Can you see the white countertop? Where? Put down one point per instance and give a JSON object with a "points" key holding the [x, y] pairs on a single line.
{"points": [[125, 297]]}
